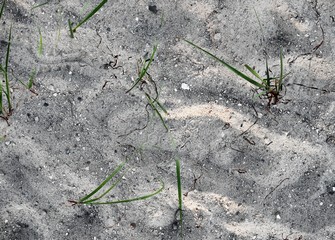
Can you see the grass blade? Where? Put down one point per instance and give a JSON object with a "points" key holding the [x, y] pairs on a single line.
{"points": [[162, 107], [268, 79], [151, 102], [259, 23], [2, 8], [144, 70], [104, 182], [133, 199], [7, 92], [88, 16], [281, 77], [40, 43], [104, 194], [180, 198], [234, 70], [31, 79], [39, 5], [253, 72], [70, 27], [1, 107]]}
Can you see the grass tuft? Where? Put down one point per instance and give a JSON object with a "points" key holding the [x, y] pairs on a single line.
{"points": [[144, 70], [93, 197], [145, 79], [269, 87]]}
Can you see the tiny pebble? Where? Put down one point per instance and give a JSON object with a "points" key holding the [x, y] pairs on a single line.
{"points": [[185, 86]]}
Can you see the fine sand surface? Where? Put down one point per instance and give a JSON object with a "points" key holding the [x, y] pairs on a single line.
{"points": [[247, 171]]}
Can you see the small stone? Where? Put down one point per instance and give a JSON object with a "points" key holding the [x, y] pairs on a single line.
{"points": [[153, 8], [185, 86], [133, 225]]}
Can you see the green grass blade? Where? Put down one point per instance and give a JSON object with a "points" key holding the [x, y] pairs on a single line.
{"points": [[104, 182], [40, 43], [133, 199], [88, 16], [234, 70], [7, 92], [2, 8], [281, 77], [8, 50], [162, 107], [39, 5], [144, 70], [1, 107], [260, 94], [104, 194], [259, 23], [31, 79], [268, 79], [70, 27], [180, 198], [253, 72], [151, 102]]}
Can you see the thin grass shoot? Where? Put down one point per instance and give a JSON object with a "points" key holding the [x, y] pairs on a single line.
{"points": [[270, 86], [144, 69], [5, 71], [2, 8], [93, 197], [40, 43], [180, 196], [39, 5], [86, 18]]}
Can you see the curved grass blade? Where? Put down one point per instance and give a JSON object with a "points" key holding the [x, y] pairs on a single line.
{"points": [[234, 70], [103, 183], [107, 191], [144, 69], [132, 199], [88, 16]]}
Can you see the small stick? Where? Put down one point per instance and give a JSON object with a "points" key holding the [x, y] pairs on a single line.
{"points": [[276, 187]]}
